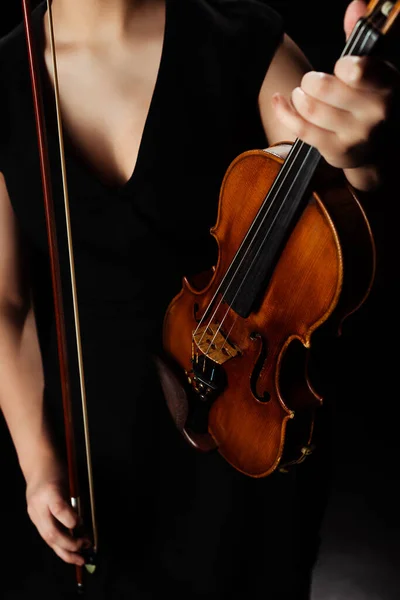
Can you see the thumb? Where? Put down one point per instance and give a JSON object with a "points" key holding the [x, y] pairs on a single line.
{"points": [[355, 10]]}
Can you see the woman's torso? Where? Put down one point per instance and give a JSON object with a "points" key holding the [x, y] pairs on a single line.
{"points": [[133, 243]]}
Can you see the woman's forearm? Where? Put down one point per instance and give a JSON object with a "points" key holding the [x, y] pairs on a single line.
{"points": [[21, 390]]}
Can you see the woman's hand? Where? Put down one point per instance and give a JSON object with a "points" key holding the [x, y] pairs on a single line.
{"points": [[51, 512], [350, 115]]}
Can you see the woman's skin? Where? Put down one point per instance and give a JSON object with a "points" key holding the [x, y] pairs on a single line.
{"points": [[108, 58]]}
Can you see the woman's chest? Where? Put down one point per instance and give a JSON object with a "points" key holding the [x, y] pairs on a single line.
{"points": [[105, 97]]}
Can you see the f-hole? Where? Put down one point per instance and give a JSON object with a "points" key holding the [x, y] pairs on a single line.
{"points": [[257, 369], [195, 311]]}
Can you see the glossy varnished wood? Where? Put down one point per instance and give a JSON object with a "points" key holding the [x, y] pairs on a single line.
{"points": [[304, 292]]}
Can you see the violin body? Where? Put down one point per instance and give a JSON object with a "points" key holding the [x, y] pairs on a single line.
{"points": [[239, 383]]}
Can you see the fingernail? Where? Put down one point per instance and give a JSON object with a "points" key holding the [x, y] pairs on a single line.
{"points": [[298, 92], [314, 75], [352, 68], [354, 73]]}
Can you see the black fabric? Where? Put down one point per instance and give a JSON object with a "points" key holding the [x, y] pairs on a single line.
{"points": [[171, 521]]}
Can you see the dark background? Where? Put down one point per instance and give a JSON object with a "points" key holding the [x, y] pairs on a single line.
{"points": [[360, 552]]}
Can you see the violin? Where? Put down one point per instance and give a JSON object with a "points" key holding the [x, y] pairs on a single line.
{"points": [[296, 257]]}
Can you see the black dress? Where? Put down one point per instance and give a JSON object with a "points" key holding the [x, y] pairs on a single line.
{"points": [[171, 521]]}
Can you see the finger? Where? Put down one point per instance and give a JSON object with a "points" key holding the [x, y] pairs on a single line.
{"points": [[354, 12], [306, 131], [367, 73], [334, 92], [63, 512], [56, 538], [50, 532], [321, 114], [69, 557]]}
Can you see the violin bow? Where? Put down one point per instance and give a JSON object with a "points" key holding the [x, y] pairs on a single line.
{"points": [[56, 278]]}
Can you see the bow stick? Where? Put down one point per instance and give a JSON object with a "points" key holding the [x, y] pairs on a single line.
{"points": [[56, 277]]}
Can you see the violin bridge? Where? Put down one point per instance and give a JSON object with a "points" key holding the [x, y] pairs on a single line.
{"points": [[211, 341]]}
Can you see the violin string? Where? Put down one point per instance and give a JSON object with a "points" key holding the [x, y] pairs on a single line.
{"points": [[278, 182], [73, 277], [350, 46], [260, 247], [252, 241], [230, 331], [356, 40], [352, 43]]}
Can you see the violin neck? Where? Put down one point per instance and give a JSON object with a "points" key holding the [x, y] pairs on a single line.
{"points": [[303, 160], [364, 37], [286, 200], [362, 41]]}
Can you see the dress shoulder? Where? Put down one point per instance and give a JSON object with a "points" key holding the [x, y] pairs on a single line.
{"points": [[14, 81], [241, 35], [11, 47]]}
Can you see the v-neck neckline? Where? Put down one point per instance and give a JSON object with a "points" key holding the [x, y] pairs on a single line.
{"points": [[71, 151]]}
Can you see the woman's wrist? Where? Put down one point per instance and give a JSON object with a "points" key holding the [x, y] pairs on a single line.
{"points": [[40, 456]]}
